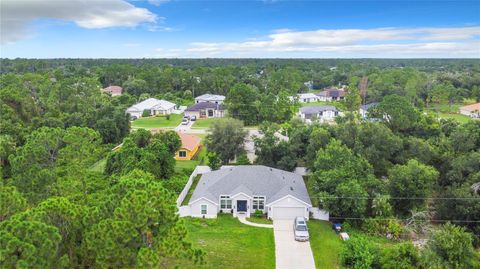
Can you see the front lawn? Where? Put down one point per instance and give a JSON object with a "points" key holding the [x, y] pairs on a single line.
{"points": [[231, 244], [325, 243], [203, 123], [261, 220], [157, 122]]}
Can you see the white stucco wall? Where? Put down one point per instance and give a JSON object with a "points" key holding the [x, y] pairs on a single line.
{"points": [[195, 209]]}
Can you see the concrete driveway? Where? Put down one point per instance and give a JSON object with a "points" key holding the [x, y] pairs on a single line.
{"points": [[290, 254]]}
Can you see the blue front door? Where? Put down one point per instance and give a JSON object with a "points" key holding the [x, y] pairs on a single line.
{"points": [[241, 206]]}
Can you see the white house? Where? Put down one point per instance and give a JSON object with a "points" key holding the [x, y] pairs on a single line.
{"points": [[471, 110], [205, 110], [306, 97], [246, 188], [210, 98], [365, 108], [155, 106], [318, 113]]}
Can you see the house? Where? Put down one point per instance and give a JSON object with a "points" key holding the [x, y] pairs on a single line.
{"points": [[205, 110], [113, 90], [318, 113], [307, 98], [189, 148], [471, 110], [365, 108], [210, 98], [331, 94], [244, 189], [155, 106]]}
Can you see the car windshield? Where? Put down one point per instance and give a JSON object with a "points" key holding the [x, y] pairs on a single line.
{"points": [[301, 228]]}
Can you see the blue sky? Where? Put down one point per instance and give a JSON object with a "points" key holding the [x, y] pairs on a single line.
{"points": [[311, 29]]}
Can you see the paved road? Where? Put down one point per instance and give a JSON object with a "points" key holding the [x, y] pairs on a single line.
{"points": [[290, 254]]}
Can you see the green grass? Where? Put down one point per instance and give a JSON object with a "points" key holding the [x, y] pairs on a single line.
{"points": [[458, 117], [99, 166], [261, 220], [191, 190], [203, 123], [231, 244], [325, 243], [158, 122]]}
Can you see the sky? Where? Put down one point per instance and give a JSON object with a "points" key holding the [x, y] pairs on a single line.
{"points": [[239, 29]]}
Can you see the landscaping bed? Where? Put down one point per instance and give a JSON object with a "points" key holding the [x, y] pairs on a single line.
{"points": [[260, 220], [192, 188]]}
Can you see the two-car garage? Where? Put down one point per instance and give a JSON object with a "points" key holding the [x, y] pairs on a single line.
{"points": [[288, 207]]}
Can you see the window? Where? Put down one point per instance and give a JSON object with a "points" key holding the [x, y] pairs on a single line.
{"points": [[203, 209], [210, 113], [225, 202], [182, 154], [258, 202]]}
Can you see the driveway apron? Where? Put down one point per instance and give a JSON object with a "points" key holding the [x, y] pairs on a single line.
{"points": [[290, 254]]}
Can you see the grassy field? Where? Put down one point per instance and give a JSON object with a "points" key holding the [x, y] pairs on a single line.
{"points": [[191, 190], [231, 244], [447, 111], [158, 122], [325, 244], [203, 123]]}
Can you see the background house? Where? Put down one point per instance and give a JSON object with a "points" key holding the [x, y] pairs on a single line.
{"points": [[155, 106], [471, 110], [189, 148], [113, 90], [331, 94], [318, 113], [205, 110], [246, 188], [307, 98], [210, 98], [364, 109]]}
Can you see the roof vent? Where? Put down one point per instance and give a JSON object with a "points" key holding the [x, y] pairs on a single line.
{"points": [[271, 169], [291, 188]]}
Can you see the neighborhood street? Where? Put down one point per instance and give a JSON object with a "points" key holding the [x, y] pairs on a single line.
{"points": [[290, 254]]}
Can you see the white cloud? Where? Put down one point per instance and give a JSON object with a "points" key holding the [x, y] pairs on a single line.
{"points": [[17, 14], [158, 2], [377, 42]]}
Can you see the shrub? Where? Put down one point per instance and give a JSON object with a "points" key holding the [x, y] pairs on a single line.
{"points": [[358, 253], [403, 255], [167, 117], [146, 113], [389, 228], [258, 213]]}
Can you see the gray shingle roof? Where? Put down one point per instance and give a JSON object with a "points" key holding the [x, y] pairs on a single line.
{"points": [[310, 110], [204, 105], [251, 180]]}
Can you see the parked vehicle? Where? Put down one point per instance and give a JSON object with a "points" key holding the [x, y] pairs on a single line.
{"points": [[186, 117], [193, 118], [300, 229], [185, 121]]}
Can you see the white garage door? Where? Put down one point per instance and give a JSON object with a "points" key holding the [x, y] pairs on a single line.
{"points": [[288, 212]]}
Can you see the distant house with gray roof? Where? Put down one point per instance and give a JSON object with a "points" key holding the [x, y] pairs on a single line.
{"points": [[210, 98], [205, 110], [365, 108], [153, 105], [318, 113], [246, 188]]}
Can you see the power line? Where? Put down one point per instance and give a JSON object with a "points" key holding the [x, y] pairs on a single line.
{"points": [[386, 219], [398, 198]]}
